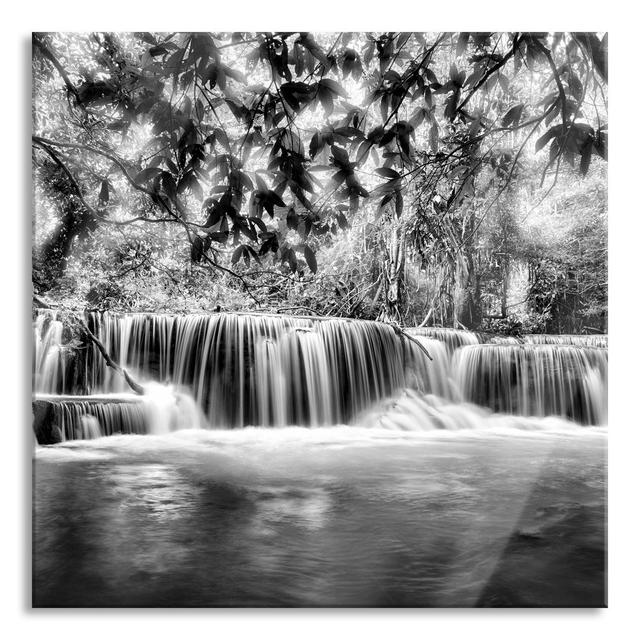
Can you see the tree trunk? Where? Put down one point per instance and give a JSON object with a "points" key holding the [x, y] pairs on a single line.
{"points": [[393, 276], [51, 261], [471, 313]]}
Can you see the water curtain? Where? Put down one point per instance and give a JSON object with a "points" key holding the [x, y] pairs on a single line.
{"points": [[234, 370]]}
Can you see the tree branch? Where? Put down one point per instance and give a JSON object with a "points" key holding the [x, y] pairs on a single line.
{"points": [[135, 386]]}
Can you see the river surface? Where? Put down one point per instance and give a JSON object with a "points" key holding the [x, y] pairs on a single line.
{"points": [[336, 517]]}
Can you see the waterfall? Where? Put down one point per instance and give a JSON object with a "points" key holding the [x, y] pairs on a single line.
{"points": [[577, 340], [453, 338], [60, 418], [245, 369], [234, 370], [536, 379], [260, 370], [503, 340], [436, 374], [161, 409], [49, 364]]}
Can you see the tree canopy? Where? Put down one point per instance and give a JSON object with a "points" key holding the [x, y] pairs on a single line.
{"points": [[249, 150]]}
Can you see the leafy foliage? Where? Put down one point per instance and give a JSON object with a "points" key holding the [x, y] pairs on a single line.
{"points": [[253, 150]]}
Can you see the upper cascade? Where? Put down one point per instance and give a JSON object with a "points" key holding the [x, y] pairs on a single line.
{"points": [[245, 369], [453, 338], [577, 340]]}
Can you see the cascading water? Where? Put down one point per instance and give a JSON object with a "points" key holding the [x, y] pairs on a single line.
{"points": [[425, 498], [504, 340], [74, 417], [50, 361], [261, 370], [536, 380], [453, 338], [577, 340], [58, 418]]}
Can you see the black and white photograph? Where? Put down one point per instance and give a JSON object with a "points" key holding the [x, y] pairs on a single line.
{"points": [[319, 319]]}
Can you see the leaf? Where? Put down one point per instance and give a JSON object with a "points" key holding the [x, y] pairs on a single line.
{"points": [[293, 219], [553, 132], [451, 105], [291, 142], [384, 107], [555, 110], [310, 257], [314, 145], [363, 152], [600, 145], [585, 159], [431, 76], [402, 38], [399, 203], [169, 184], [308, 42], [250, 252], [197, 249], [334, 87], [210, 75], [290, 257], [512, 117], [405, 143], [221, 137], [418, 116], [340, 156], [326, 99], [261, 184], [385, 201], [218, 236], [461, 46], [158, 50], [146, 174], [342, 221], [259, 223], [504, 82], [387, 137], [339, 177], [199, 109], [575, 86], [104, 192], [248, 231], [276, 199], [348, 132], [433, 137], [354, 203], [245, 180], [237, 254], [386, 172]]}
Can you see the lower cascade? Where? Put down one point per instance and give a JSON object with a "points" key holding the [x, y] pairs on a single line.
{"points": [[234, 370], [535, 380], [160, 410], [62, 418]]}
